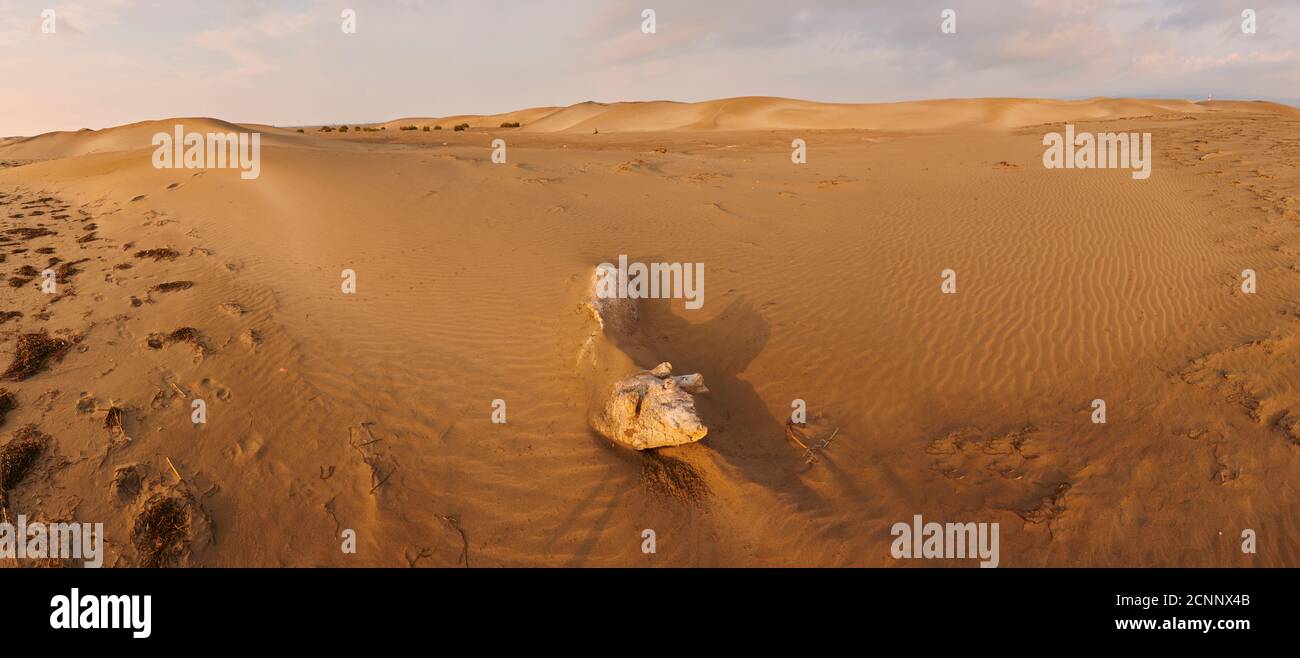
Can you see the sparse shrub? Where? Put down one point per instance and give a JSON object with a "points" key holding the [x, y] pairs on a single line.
{"points": [[301, 130], [437, 127], [326, 129], [510, 124], [461, 126], [343, 129], [425, 129], [409, 128], [161, 253], [32, 353]]}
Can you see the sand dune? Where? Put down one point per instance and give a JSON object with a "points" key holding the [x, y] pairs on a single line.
{"points": [[372, 411], [761, 113], [735, 114], [766, 113], [131, 137], [474, 120]]}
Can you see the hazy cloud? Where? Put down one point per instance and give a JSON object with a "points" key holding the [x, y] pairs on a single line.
{"points": [[286, 61]]}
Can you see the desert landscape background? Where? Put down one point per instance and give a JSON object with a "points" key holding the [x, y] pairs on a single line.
{"points": [[372, 411]]}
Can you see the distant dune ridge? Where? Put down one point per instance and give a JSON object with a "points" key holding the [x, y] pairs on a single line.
{"points": [[770, 113], [740, 114]]}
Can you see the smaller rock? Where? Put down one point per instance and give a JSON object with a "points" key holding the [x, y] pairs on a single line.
{"points": [[616, 315]]}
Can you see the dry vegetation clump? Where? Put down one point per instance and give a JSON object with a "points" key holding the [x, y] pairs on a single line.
{"points": [[173, 286], [162, 253], [8, 402], [115, 421], [161, 531], [29, 233], [34, 351], [68, 270], [17, 459]]}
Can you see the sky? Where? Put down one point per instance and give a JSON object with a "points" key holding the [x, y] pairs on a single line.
{"points": [[288, 62]]}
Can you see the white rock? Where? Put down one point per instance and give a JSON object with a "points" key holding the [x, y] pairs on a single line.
{"points": [[614, 314], [652, 409]]}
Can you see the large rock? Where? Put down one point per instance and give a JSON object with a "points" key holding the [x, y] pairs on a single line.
{"points": [[652, 409]]}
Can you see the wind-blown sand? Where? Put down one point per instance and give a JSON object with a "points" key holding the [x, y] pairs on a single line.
{"points": [[373, 411]]}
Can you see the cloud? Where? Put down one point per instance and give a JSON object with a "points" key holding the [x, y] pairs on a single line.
{"points": [[285, 61], [251, 45]]}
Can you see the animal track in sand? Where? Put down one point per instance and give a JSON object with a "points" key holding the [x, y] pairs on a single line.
{"points": [[1223, 473], [172, 286], [247, 448], [128, 482], [1049, 508], [220, 391], [188, 335], [1225, 372], [960, 452], [835, 182], [374, 454], [251, 338]]}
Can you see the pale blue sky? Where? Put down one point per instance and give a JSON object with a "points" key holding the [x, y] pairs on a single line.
{"points": [[287, 61]]}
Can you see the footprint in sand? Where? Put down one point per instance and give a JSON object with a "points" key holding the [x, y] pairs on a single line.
{"points": [[172, 286], [970, 450], [251, 338], [220, 391]]}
